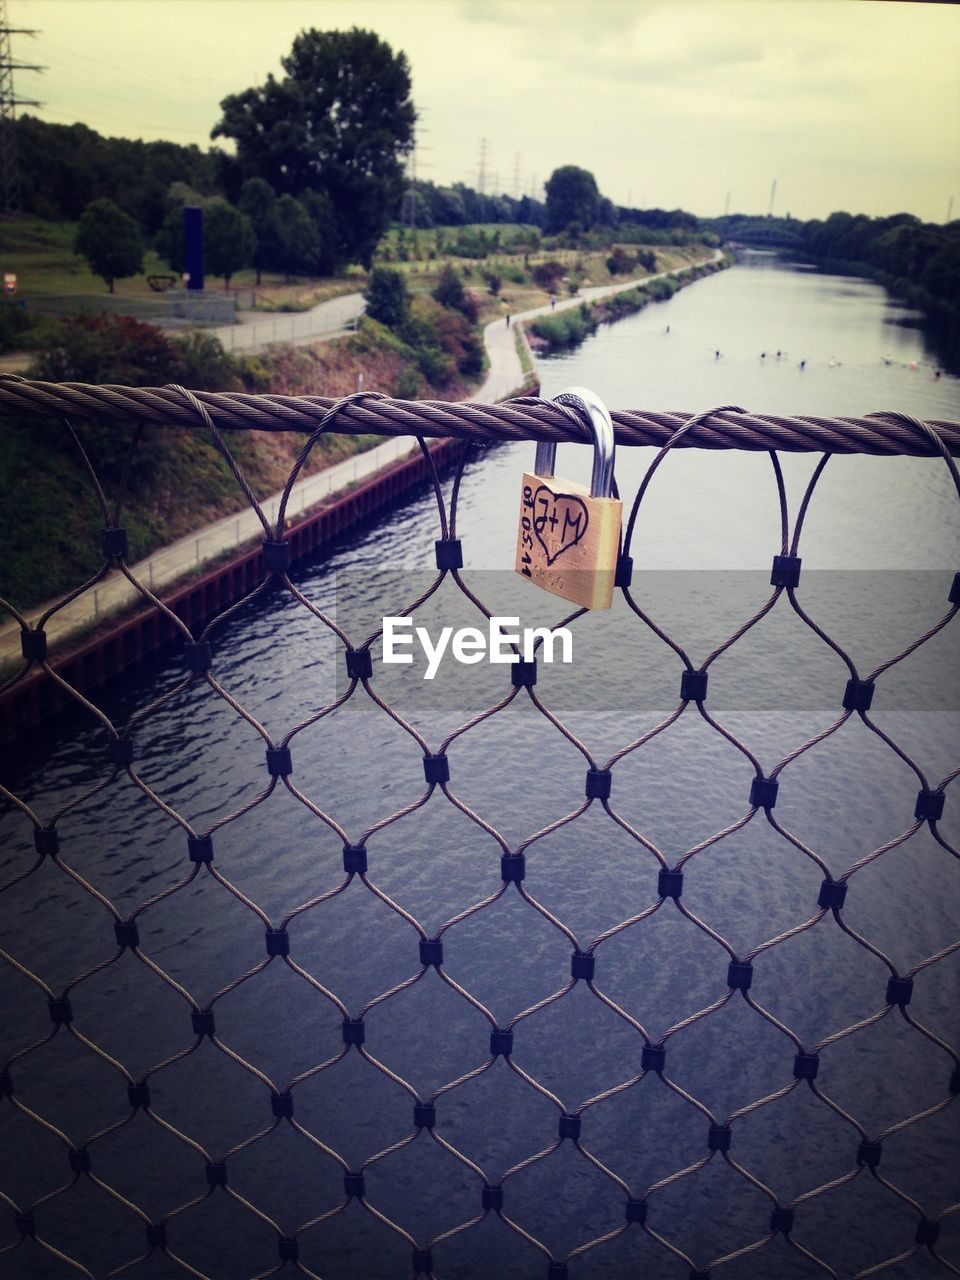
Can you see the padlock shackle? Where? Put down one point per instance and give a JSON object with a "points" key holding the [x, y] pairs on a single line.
{"points": [[600, 425]]}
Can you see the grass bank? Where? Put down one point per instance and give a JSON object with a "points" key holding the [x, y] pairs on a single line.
{"points": [[563, 330], [178, 481]]}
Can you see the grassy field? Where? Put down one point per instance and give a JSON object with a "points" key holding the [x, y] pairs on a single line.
{"points": [[41, 254]]}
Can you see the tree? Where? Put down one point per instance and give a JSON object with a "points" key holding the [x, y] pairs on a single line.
{"points": [[110, 241], [169, 241], [228, 239], [387, 298], [229, 242], [65, 167], [572, 196], [340, 121], [318, 205], [494, 281], [258, 201], [620, 262], [548, 274], [449, 290], [296, 247]]}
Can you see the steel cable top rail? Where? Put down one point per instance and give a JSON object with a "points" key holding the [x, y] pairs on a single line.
{"points": [[523, 418]]}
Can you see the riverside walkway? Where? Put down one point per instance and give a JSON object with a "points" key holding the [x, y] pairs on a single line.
{"points": [[113, 594], [505, 374]]}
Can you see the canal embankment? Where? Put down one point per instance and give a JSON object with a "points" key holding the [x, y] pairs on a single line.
{"points": [[563, 328], [114, 623]]}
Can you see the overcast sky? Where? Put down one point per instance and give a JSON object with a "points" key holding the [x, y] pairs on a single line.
{"points": [[847, 104]]}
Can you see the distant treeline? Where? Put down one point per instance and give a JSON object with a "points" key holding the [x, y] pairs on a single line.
{"points": [[66, 167], [916, 261]]}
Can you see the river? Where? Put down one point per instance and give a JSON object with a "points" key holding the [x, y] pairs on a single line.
{"points": [[879, 548]]}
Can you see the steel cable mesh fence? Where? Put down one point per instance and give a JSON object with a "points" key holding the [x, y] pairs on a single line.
{"points": [[783, 1237]]}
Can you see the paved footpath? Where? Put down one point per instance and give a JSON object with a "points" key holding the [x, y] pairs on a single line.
{"points": [[505, 376], [326, 320], [161, 569], [257, 330]]}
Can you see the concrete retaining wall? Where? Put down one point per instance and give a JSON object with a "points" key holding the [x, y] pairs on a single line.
{"points": [[89, 665]]}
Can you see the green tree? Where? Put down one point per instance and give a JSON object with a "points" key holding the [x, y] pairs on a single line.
{"points": [[340, 121], [387, 297], [317, 204], [110, 241], [572, 196], [65, 167], [169, 242], [229, 243], [620, 262], [548, 274], [296, 247], [494, 281], [449, 290], [258, 201]]}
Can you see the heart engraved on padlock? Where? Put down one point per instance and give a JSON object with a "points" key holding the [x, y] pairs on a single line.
{"points": [[560, 521], [568, 540]]}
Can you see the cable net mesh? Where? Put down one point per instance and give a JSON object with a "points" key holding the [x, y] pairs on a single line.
{"points": [[152, 1123]]}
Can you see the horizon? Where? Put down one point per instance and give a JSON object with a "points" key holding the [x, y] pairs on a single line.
{"points": [[816, 96]]}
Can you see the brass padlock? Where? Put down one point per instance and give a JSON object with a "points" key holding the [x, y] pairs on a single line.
{"points": [[569, 536]]}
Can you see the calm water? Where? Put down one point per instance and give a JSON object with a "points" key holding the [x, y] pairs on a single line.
{"points": [[705, 513]]}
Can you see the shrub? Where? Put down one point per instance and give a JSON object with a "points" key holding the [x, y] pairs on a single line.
{"points": [[515, 275], [661, 290], [444, 341], [203, 362], [119, 349], [14, 321], [408, 384], [621, 304], [387, 297], [470, 243], [620, 263], [494, 281], [436, 367], [565, 328], [449, 291], [106, 348], [548, 274]]}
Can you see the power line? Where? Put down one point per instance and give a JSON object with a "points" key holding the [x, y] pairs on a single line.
{"points": [[9, 158], [482, 167]]}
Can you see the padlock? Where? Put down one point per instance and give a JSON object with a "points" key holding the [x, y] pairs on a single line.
{"points": [[569, 536]]}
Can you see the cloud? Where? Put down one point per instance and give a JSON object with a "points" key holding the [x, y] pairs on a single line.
{"points": [[673, 100]]}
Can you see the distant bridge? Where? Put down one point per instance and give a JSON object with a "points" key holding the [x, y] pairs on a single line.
{"points": [[762, 239]]}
